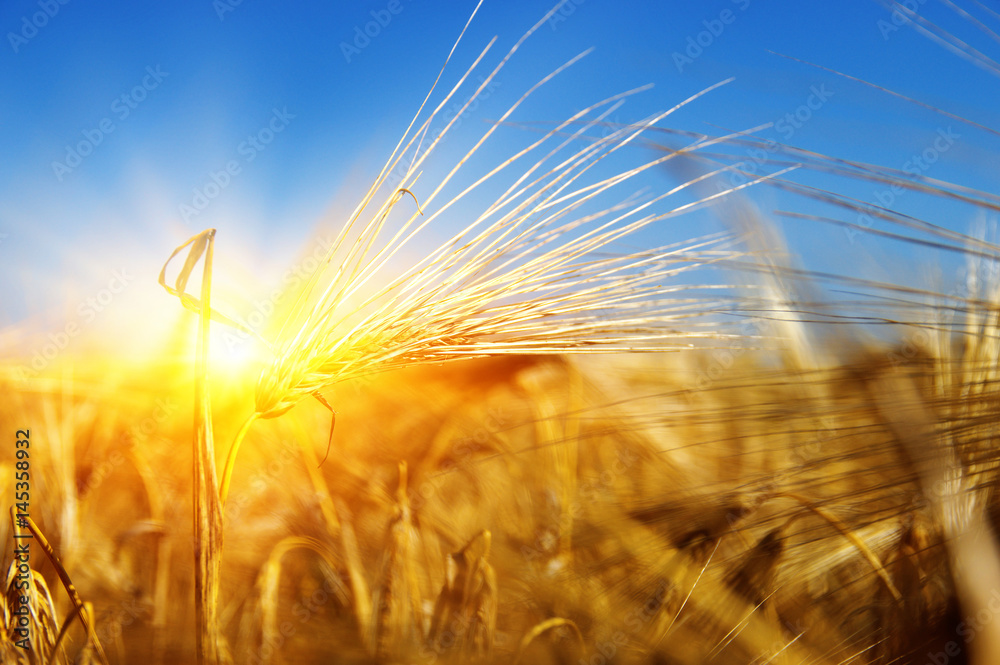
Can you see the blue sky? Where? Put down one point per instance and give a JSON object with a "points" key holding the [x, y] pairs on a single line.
{"points": [[184, 86]]}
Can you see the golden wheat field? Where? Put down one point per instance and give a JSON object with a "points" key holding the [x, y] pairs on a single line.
{"points": [[498, 417]]}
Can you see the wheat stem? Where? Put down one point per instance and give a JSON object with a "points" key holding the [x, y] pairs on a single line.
{"points": [[207, 508], [227, 470]]}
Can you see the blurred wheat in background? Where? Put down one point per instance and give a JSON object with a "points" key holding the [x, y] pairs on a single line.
{"points": [[551, 446]]}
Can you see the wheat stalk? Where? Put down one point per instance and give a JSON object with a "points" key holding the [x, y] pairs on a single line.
{"points": [[207, 515]]}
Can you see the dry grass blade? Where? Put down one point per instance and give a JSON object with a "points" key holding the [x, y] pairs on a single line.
{"points": [[78, 604], [78, 610], [206, 504], [887, 91], [946, 39]]}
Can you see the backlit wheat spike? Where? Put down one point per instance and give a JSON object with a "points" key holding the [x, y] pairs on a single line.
{"points": [[533, 273], [509, 283]]}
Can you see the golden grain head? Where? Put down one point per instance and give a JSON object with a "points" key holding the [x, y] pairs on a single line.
{"points": [[536, 272]]}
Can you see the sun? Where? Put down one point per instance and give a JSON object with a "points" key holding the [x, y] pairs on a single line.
{"points": [[235, 352]]}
